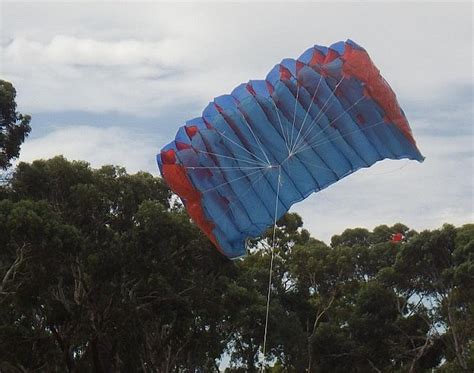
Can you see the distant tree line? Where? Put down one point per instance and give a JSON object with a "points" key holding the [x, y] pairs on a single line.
{"points": [[99, 272], [102, 271]]}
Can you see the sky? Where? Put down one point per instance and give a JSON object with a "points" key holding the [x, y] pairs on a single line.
{"points": [[111, 82]]}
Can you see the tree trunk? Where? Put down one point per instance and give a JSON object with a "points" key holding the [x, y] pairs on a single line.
{"points": [[457, 347], [311, 367]]}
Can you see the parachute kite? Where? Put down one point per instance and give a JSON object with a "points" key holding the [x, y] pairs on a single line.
{"points": [[271, 143]]}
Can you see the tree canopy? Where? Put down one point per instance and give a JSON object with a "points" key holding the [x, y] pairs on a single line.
{"points": [[14, 127], [102, 271]]}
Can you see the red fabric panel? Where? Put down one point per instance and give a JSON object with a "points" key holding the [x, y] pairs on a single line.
{"points": [[317, 58], [168, 156], [358, 63], [331, 56], [218, 108], [299, 66], [175, 176], [269, 87], [284, 73], [182, 145], [191, 131], [250, 89]]}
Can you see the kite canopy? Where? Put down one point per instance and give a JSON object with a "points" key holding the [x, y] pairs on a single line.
{"points": [[271, 143]]}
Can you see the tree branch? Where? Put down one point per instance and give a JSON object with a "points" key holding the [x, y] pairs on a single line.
{"points": [[11, 272]]}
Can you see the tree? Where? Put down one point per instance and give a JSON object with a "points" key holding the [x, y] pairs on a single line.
{"points": [[351, 306], [100, 274], [14, 127], [438, 266]]}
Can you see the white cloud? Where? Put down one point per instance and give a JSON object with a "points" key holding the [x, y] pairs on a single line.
{"points": [[68, 50], [105, 56], [98, 146], [145, 58], [71, 73]]}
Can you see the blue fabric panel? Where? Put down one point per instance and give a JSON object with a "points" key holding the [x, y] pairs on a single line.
{"points": [[298, 176], [306, 56], [226, 102], [312, 132], [274, 75], [182, 136], [320, 171], [322, 49], [360, 109], [210, 111], [234, 185], [260, 87], [216, 191], [198, 122], [339, 119], [239, 174], [290, 65], [326, 150], [240, 92], [269, 196], [338, 47]]}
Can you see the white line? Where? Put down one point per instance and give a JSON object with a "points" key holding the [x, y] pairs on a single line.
{"points": [[230, 181], [233, 158], [232, 141], [315, 145], [322, 112], [255, 137], [281, 125], [312, 138], [271, 269], [309, 108]]}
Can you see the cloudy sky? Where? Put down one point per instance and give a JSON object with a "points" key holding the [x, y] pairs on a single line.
{"points": [[111, 83]]}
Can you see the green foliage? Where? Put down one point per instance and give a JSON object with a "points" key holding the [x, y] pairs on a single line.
{"points": [[14, 127], [98, 272], [367, 304]]}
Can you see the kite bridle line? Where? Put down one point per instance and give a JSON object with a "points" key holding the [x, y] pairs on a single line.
{"points": [[295, 147], [251, 141], [272, 251]]}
